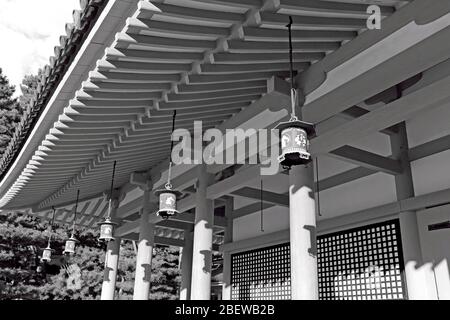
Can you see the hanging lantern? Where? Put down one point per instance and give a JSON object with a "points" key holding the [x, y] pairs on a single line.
{"points": [[70, 245], [72, 241], [294, 134], [47, 254], [168, 197], [107, 229], [294, 142], [107, 226], [167, 202]]}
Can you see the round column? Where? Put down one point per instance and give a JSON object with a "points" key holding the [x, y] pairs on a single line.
{"points": [[302, 225], [111, 261], [203, 235], [110, 272], [146, 243], [186, 266]]}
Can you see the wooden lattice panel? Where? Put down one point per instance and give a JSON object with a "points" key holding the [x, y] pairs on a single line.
{"points": [[262, 274], [361, 264], [357, 264]]}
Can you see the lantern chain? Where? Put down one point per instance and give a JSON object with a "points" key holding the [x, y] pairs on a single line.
{"points": [[51, 227], [111, 190], [169, 173], [291, 64], [75, 213]]}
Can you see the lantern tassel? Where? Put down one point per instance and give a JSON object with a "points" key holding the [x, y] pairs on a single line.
{"points": [[318, 187], [262, 207]]}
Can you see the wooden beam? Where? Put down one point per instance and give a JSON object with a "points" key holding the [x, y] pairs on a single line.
{"points": [[430, 148], [356, 112], [357, 10], [398, 57], [249, 209], [127, 228], [129, 208], [383, 212], [233, 183], [174, 224], [344, 177], [169, 241], [164, 241], [268, 197], [367, 159], [428, 97]]}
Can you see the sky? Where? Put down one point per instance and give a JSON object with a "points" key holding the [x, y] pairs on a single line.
{"points": [[29, 31]]}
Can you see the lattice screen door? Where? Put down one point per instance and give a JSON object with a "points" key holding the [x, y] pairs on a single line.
{"points": [[357, 264]]}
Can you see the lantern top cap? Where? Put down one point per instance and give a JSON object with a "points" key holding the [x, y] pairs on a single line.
{"points": [[175, 192], [107, 221], [307, 126], [48, 248], [72, 238]]}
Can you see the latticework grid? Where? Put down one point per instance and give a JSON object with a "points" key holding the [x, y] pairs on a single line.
{"points": [[357, 264], [262, 274], [361, 264]]}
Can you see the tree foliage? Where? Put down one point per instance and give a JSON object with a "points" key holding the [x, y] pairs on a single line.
{"points": [[28, 87], [10, 112], [11, 109], [22, 239]]}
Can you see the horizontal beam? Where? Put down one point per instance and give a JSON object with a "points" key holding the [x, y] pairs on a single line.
{"points": [[377, 60], [251, 208], [367, 159], [233, 183], [343, 177], [386, 211], [267, 196], [428, 97], [429, 148]]}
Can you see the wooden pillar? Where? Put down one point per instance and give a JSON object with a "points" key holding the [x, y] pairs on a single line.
{"points": [[302, 226], [226, 287], [111, 261], [145, 251], [186, 266], [203, 236], [419, 276]]}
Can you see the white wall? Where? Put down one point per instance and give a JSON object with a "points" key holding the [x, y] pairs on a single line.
{"points": [[249, 226], [431, 173], [360, 194]]}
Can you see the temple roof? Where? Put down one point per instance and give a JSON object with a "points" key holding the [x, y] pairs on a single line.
{"points": [[69, 45]]}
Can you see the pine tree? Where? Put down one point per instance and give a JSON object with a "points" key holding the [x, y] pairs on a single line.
{"points": [[10, 112], [28, 87]]}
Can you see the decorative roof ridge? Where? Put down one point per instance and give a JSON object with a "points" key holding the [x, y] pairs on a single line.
{"points": [[65, 52]]}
